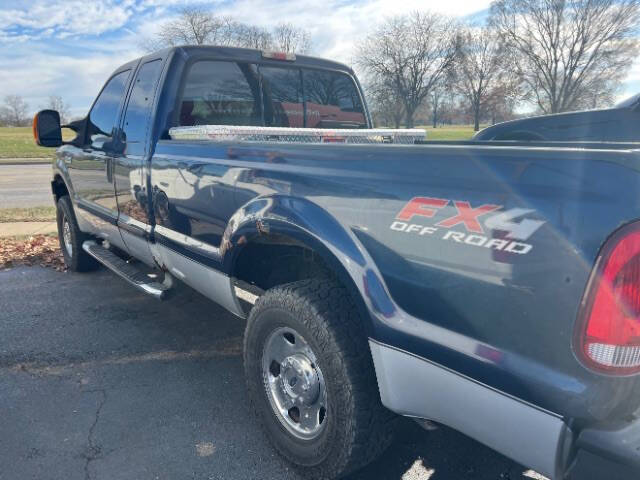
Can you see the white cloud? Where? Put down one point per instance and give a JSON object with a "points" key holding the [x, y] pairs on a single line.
{"points": [[337, 25], [77, 80], [68, 17], [69, 47]]}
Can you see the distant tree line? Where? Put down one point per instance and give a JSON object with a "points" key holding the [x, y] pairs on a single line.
{"points": [[426, 68], [199, 26], [14, 111], [557, 55]]}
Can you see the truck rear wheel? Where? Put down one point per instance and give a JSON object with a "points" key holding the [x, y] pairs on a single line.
{"points": [[71, 238], [311, 380]]}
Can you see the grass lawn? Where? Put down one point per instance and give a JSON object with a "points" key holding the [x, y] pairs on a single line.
{"points": [[449, 132], [33, 214], [17, 142]]}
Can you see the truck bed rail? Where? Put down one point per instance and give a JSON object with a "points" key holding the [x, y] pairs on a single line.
{"points": [[225, 133]]}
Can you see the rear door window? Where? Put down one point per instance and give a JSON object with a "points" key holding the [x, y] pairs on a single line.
{"points": [[332, 100], [140, 102], [221, 93]]}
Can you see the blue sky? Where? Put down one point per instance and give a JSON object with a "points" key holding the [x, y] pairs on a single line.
{"points": [[69, 47]]}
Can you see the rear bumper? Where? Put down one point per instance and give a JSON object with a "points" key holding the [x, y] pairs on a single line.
{"points": [[612, 453], [414, 387]]}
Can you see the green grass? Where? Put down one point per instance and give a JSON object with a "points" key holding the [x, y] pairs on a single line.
{"points": [[449, 132], [17, 142], [32, 214]]}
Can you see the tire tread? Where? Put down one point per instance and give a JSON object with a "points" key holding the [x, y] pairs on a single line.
{"points": [[80, 261], [326, 309]]}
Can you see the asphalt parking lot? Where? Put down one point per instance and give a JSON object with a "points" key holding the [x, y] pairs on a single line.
{"points": [[98, 381]]}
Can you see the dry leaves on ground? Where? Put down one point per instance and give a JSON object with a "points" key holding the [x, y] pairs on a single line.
{"points": [[43, 250]]}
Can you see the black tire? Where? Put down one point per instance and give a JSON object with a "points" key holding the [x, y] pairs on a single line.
{"points": [[75, 258], [358, 428]]}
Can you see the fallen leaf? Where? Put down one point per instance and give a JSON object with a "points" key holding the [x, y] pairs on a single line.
{"points": [[43, 250]]}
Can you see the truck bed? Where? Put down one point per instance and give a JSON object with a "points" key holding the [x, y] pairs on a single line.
{"points": [[501, 317]]}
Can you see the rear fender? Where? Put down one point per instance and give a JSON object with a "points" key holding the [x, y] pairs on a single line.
{"points": [[308, 224]]}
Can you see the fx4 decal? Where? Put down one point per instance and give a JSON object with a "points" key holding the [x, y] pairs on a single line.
{"points": [[512, 228]]}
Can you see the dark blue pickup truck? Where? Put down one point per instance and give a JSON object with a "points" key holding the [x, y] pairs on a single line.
{"points": [[492, 286]]}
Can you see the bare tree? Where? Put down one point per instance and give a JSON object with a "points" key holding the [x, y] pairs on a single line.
{"points": [[568, 49], [199, 26], [386, 107], [482, 71], [409, 55], [291, 39], [436, 99], [502, 102], [602, 95], [14, 111], [194, 26], [251, 36], [56, 103]]}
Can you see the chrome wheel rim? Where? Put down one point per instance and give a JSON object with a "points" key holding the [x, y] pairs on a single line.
{"points": [[294, 383], [66, 236]]}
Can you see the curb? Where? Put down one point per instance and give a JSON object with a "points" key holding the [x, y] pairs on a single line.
{"points": [[25, 229], [27, 161]]}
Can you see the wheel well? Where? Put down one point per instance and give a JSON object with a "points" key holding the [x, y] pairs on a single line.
{"points": [[59, 187], [280, 260]]}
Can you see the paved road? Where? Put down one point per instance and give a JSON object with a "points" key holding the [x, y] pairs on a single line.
{"points": [[25, 186], [98, 381]]}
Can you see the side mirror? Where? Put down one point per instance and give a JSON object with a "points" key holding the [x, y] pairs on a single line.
{"points": [[46, 128]]}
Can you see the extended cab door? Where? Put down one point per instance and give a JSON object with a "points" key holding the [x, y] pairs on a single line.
{"points": [[194, 191], [131, 161], [91, 166]]}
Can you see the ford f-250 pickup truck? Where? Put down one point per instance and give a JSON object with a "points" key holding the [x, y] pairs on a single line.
{"points": [[491, 286]]}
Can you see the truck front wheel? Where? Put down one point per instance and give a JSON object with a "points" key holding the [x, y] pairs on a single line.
{"points": [[71, 238], [311, 381]]}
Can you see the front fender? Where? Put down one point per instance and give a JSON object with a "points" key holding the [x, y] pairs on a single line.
{"points": [[61, 171]]}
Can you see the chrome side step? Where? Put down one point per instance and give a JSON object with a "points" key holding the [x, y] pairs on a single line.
{"points": [[127, 271]]}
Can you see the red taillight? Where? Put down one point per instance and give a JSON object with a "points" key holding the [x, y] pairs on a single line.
{"points": [[289, 57], [609, 327]]}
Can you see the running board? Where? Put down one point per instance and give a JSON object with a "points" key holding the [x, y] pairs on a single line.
{"points": [[128, 272], [247, 292]]}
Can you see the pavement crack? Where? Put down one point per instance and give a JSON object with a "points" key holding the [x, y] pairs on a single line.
{"points": [[93, 450]]}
